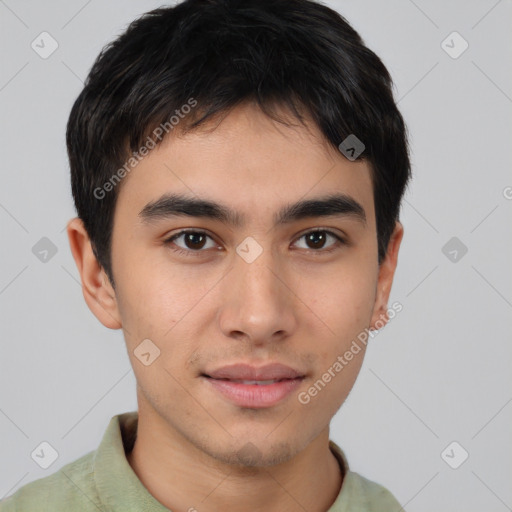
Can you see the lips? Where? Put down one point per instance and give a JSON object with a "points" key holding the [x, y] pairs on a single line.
{"points": [[255, 382], [252, 387], [245, 372]]}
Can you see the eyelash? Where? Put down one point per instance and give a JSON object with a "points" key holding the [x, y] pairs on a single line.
{"points": [[190, 252]]}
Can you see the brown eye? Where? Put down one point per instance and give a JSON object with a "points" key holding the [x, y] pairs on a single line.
{"points": [[316, 240], [190, 241], [194, 240]]}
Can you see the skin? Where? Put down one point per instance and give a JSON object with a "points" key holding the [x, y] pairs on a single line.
{"points": [[291, 305]]}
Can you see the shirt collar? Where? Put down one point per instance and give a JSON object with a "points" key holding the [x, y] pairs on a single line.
{"points": [[119, 488]]}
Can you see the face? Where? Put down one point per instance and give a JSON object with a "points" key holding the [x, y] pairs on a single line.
{"points": [[247, 288]]}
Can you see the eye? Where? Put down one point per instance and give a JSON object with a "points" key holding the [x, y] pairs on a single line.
{"points": [[193, 241], [317, 239]]}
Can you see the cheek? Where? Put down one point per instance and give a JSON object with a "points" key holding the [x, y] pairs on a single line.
{"points": [[154, 307], [154, 296], [344, 301], [328, 390], [342, 297]]}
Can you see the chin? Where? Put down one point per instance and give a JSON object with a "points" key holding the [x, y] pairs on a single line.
{"points": [[254, 454]]}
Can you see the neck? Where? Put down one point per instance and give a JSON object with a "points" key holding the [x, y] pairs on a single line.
{"points": [[185, 479]]}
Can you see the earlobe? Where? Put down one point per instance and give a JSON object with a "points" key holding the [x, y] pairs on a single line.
{"points": [[96, 287], [385, 280]]}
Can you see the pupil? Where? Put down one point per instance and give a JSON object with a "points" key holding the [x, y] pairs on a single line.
{"points": [[319, 235], [191, 237]]}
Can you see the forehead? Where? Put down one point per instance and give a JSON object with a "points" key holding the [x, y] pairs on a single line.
{"points": [[249, 162]]}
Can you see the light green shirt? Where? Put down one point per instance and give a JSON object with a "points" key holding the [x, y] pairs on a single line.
{"points": [[103, 480]]}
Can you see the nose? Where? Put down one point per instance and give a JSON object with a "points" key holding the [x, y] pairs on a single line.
{"points": [[258, 305]]}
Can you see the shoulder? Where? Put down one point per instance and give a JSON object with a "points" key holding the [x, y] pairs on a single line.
{"points": [[70, 488], [373, 495], [359, 493]]}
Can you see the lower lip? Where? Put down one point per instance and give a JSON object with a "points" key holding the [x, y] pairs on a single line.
{"points": [[255, 395]]}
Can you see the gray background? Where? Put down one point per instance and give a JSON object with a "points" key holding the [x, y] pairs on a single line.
{"points": [[436, 374]]}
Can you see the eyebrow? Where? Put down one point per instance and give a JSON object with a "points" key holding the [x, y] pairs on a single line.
{"points": [[176, 205]]}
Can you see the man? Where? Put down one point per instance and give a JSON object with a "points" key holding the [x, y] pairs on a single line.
{"points": [[237, 169]]}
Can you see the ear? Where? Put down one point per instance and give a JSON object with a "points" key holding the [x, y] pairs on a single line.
{"points": [[385, 280], [96, 287]]}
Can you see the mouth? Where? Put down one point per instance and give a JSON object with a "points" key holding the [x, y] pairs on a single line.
{"points": [[252, 382], [251, 387]]}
